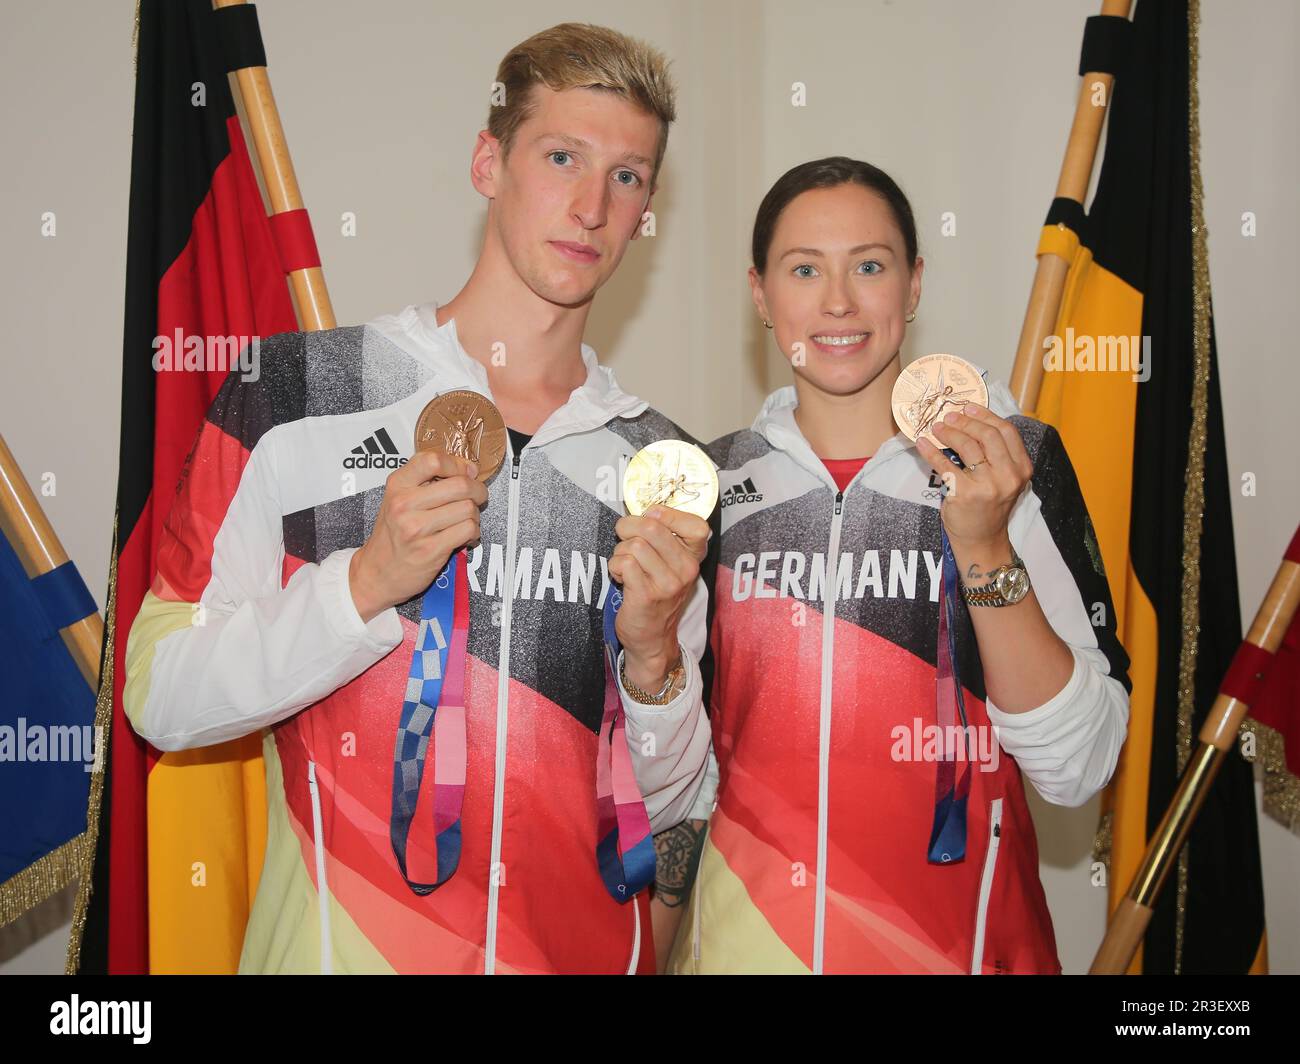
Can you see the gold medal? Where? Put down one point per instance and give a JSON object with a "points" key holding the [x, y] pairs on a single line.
{"points": [[670, 473], [931, 387], [467, 425]]}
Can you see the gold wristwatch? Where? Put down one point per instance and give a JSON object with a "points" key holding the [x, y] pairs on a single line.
{"points": [[670, 690], [1009, 584]]}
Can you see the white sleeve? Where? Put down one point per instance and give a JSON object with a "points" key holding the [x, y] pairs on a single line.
{"points": [[1069, 745], [670, 743], [252, 664], [249, 653]]}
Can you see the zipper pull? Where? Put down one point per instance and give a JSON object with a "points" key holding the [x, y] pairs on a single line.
{"points": [[514, 466], [839, 501]]}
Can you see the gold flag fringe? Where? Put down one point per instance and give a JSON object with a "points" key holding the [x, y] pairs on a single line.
{"points": [[1194, 493], [41, 880], [1281, 786], [103, 730]]}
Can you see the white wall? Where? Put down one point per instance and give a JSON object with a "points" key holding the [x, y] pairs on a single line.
{"points": [[967, 105]]}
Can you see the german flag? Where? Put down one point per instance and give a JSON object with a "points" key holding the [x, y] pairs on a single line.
{"points": [[1131, 383], [180, 835]]}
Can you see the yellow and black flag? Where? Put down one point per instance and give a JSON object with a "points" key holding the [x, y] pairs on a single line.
{"points": [[1131, 383]]}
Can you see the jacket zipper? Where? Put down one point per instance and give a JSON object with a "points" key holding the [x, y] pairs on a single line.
{"points": [[695, 937], [986, 886], [636, 938], [824, 738], [322, 886], [503, 693], [697, 891]]}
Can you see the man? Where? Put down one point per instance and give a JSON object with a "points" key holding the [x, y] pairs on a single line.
{"points": [[295, 561]]}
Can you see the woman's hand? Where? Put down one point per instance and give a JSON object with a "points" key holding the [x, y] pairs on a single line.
{"points": [[1025, 663], [980, 497]]}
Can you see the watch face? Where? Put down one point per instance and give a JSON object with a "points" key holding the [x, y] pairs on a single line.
{"points": [[1013, 584]]}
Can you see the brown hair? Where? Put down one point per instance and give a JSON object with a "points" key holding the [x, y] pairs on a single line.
{"points": [[830, 173], [579, 55]]}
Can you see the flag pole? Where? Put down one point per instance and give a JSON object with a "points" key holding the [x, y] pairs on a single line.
{"points": [[1129, 922], [1049, 278], [315, 311], [33, 538]]}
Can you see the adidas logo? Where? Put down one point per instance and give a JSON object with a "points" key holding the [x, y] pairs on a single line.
{"points": [[376, 451], [745, 492]]}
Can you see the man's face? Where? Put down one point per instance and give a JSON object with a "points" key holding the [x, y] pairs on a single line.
{"points": [[572, 191]]}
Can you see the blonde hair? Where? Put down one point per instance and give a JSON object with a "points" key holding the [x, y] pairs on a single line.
{"points": [[579, 55]]}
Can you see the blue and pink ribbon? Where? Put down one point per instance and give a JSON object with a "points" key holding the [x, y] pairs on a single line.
{"points": [[434, 708], [625, 851], [948, 833]]}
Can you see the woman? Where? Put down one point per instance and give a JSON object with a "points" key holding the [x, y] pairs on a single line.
{"points": [[847, 836]]}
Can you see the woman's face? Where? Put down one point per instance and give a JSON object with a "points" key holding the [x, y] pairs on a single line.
{"points": [[837, 287]]}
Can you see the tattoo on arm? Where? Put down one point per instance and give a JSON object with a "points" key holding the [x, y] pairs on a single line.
{"points": [[677, 854], [973, 573]]}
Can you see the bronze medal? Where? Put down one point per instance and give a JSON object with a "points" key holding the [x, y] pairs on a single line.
{"points": [[465, 424], [930, 388]]}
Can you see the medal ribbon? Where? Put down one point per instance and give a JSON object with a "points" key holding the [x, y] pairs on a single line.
{"points": [[435, 706], [625, 852], [948, 835]]}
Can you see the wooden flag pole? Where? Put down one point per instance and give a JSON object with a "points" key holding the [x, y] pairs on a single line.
{"points": [[1129, 922], [1049, 279], [32, 536], [308, 285]]}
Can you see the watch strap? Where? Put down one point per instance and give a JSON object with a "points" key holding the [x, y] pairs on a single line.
{"points": [[989, 594], [665, 694]]}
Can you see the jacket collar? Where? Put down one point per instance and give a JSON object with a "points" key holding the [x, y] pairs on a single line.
{"points": [[594, 403], [775, 423]]}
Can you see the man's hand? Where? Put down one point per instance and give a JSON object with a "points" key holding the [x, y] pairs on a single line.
{"points": [[657, 561], [430, 509]]}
